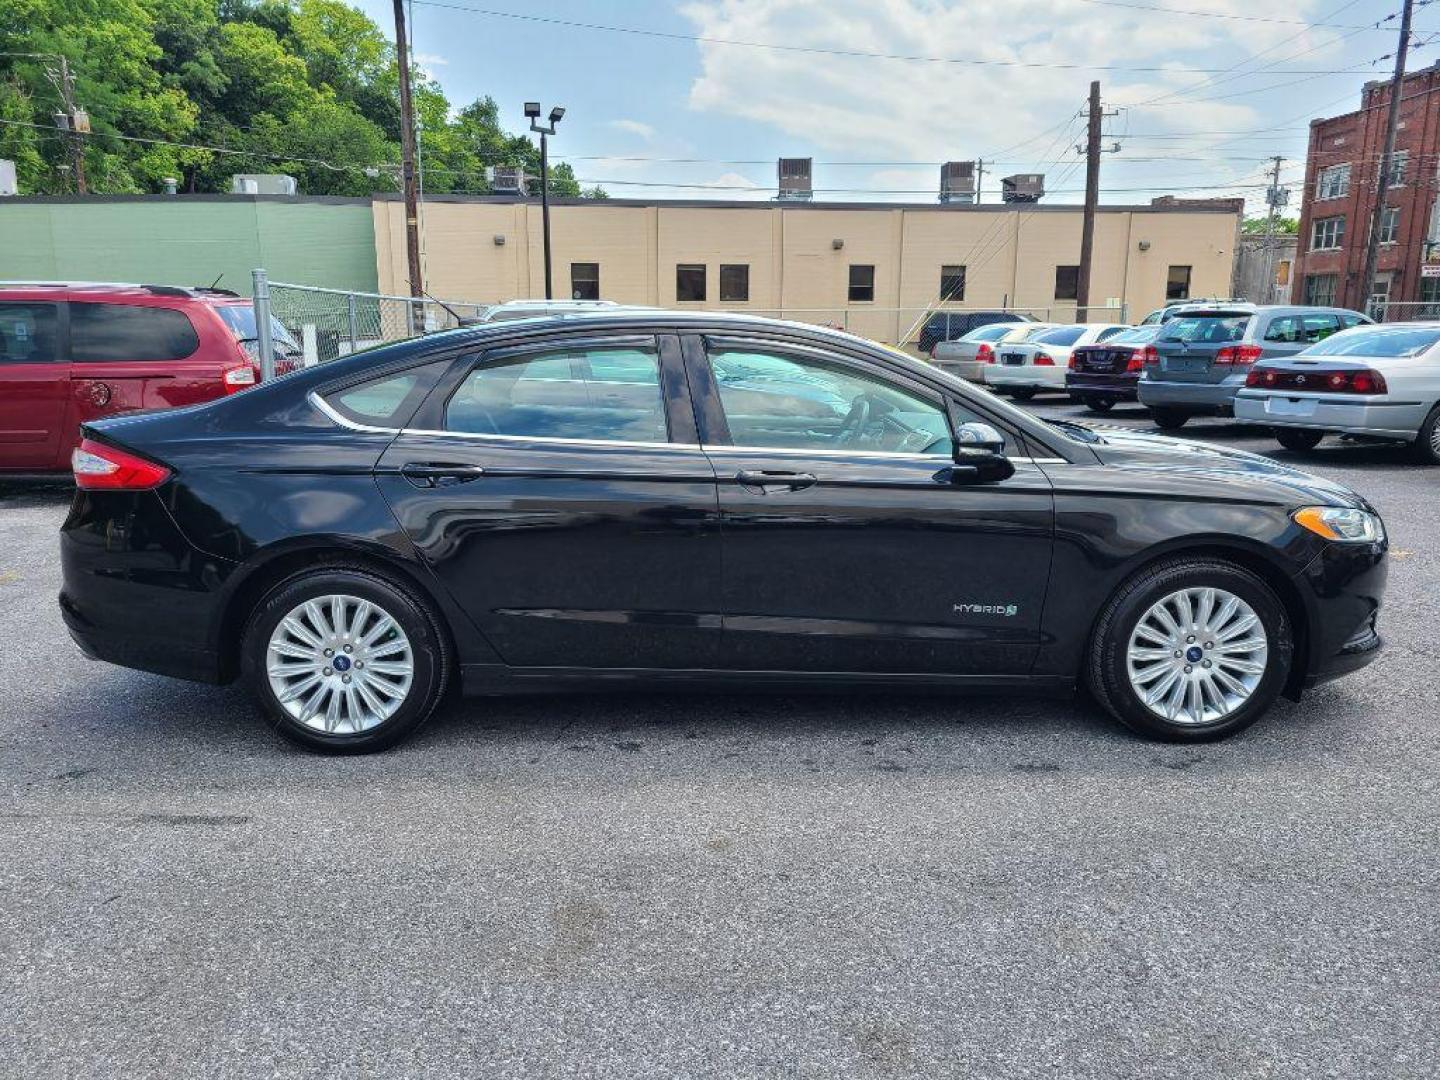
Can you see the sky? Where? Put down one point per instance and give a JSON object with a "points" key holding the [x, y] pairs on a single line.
{"points": [[697, 98]]}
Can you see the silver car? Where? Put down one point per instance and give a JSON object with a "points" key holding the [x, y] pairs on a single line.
{"points": [[1202, 355], [968, 356], [537, 309], [1382, 381]]}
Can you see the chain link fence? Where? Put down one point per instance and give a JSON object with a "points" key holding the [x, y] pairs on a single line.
{"points": [[1408, 311]]}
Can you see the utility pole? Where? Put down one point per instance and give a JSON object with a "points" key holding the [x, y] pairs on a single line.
{"points": [[979, 178], [1275, 198], [1382, 190], [407, 155], [75, 122], [1092, 199]]}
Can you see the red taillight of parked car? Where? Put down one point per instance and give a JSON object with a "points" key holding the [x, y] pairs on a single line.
{"points": [[1353, 381], [98, 467], [240, 378], [1074, 364], [1150, 356], [1139, 358], [1044, 360], [1237, 355], [985, 354]]}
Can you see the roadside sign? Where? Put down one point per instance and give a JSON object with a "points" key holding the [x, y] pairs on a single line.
{"points": [[1430, 269]]}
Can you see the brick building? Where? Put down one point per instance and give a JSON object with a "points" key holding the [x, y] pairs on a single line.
{"points": [[1341, 175]]}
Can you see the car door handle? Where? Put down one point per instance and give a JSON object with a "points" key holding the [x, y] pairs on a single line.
{"points": [[763, 481], [439, 474]]}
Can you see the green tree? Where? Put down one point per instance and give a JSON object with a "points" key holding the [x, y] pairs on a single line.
{"points": [[1285, 226]]}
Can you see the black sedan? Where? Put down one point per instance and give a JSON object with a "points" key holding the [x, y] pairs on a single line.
{"points": [[650, 498]]}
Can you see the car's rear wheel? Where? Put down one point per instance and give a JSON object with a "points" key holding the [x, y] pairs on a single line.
{"points": [[344, 661], [1169, 419], [1427, 442], [1191, 650], [1099, 404], [1298, 438], [1022, 393]]}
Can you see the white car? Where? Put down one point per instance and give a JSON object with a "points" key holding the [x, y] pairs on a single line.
{"points": [[1023, 369], [967, 357], [1379, 380], [539, 309]]}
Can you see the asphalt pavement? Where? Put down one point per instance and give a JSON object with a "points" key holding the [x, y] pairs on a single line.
{"points": [[867, 885]]}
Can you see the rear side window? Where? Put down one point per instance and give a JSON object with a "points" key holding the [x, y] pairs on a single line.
{"points": [[601, 394], [101, 332], [1066, 335], [28, 334], [1205, 329], [377, 402]]}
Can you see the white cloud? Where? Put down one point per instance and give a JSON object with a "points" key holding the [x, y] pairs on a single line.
{"points": [[910, 110], [634, 127], [430, 60]]}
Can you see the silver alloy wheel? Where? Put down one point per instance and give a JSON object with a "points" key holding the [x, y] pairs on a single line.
{"points": [[339, 664], [1435, 439], [1197, 655]]}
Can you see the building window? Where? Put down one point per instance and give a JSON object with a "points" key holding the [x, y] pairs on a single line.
{"points": [[690, 282], [1389, 224], [1320, 289], [1327, 234], [952, 283], [1177, 283], [862, 284], [1430, 297], [1067, 283], [1399, 164], [735, 282], [1333, 182], [584, 281]]}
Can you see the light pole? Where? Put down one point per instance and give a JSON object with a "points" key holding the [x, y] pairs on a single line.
{"points": [[532, 110]]}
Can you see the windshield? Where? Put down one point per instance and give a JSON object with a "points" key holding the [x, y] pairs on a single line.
{"points": [[1377, 341], [1206, 329], [240, 318], [992, 332], [1066, 335]]}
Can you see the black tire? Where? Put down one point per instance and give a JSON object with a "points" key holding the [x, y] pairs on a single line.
{"points": [[1298, 438], [1107, 667], [1169, 419], [1427, 442], [428, 655], [1098, 404], [1022, 394]]}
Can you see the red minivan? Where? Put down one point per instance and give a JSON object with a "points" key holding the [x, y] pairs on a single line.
{"points": [[70, 353]]}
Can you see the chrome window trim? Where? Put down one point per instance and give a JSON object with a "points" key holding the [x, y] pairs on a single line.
{"points": [[546, 439], [344, 421]]}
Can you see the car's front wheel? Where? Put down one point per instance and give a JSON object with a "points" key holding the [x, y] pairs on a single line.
{"points": [[1298, 438], [1427, 442], [1191, 650], [343, 660], [1098, 404], [1169, 419]]}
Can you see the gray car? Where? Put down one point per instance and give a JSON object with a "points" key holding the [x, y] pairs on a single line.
{"points": [[967, 356], [1202, 355]]}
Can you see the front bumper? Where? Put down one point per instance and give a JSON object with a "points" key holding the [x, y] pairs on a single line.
{"points": [[1344, 585], [1213, 398], [1349, 414]]}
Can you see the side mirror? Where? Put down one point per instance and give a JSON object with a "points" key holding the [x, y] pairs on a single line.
{"points": [[979, 455]]}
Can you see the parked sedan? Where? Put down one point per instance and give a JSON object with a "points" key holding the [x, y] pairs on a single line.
{"points": [[1022, 370], [1203, 355], [1099, 376], [968, 357], [1380, 381], [659, 498]]}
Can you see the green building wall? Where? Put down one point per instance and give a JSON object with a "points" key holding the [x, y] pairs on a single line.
{"points": [[189, 240]]}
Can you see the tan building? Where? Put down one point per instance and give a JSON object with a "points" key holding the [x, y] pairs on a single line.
{"points": [[875, 269]]}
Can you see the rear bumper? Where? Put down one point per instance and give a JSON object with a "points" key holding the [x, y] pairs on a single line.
{"points": [[1357, 416], [1026, 375], [1216, 398], [135, 592], [1116, 387], [969, 370]]}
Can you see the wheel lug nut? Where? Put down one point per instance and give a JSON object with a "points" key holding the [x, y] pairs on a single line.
{"points": [[345, 678], [1188, 669], [1209, 644], [329, 652], [1205, 664], [1190, 639], [361, 663], [1177, 655], [349, 649], [327, 671]]}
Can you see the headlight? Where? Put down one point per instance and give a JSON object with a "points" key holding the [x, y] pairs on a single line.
{"points": [[1342, 524]]}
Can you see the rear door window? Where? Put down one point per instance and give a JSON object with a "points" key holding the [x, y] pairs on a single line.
{"points": [[29, 333], [607, 394], [110, 332]]}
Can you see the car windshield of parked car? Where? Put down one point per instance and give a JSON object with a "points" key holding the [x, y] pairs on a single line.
{"points": [[1385, 342], [1139, 335], [1066, 335], [1205, 329], [992, 332]]}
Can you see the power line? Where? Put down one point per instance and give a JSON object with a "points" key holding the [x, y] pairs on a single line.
{"points": [[1158, 10], [551, 20]]}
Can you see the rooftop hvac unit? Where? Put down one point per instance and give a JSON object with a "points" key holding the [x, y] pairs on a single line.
{"points": [[263, 184], [1023, 187], [506, 179], [957, 182], [795, 178]]}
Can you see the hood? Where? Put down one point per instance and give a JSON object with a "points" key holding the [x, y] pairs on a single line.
{"points": [[1253, 475]]}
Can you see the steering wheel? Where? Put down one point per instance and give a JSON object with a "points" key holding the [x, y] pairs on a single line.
{"points": [[855, 420]]}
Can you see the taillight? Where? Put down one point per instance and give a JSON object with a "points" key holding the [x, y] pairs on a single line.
{"points": [[985, 354], [98, 467], [1237, 355], [1139, 358], [1044, 360], [240, 378], [1151, 356], [1354, 381], [1074, 364]]}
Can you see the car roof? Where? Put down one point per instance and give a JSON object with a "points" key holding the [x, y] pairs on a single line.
{"points": [[119, 290]]}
